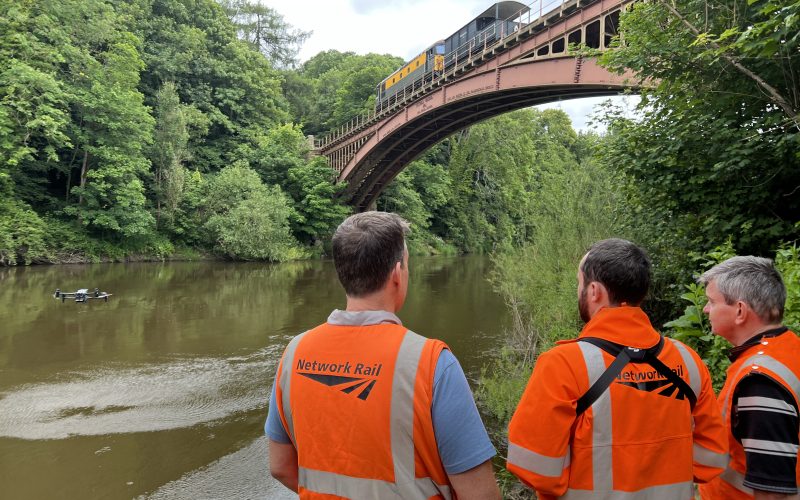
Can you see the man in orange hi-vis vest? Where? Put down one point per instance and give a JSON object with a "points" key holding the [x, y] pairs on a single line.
{"points": [[362, 407], [620, 412], [761, 396]]}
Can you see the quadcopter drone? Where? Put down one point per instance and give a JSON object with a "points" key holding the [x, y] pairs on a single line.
{"points": [[82, 295]]}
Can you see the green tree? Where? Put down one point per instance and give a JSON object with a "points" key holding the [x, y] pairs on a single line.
{"points": [[22, 232], [247, 219], [266, 30], [420, 193], [169, 151], [113, 129], [282, 157], [319, 212], [496, 168], [714, 152], [234, 87], [342, 86]]}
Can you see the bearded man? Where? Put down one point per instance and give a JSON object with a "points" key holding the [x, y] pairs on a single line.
{"points": [[620, 411]]}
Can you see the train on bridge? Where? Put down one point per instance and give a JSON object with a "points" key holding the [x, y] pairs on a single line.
{"points": [[491, 25]]}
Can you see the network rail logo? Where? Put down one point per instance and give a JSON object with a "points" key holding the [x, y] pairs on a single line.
{"points": [[342, 375], [652, 381]]}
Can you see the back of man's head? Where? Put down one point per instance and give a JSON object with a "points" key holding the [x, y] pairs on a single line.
{"points": [[366, 247], [752, 280], [622, 267]]}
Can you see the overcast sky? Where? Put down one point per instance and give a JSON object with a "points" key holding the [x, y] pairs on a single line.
{"points": [[398, 27]]}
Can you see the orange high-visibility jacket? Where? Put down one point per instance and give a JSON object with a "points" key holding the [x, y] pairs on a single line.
{"points": [[633, 442], [356, 402], [777, 357]]}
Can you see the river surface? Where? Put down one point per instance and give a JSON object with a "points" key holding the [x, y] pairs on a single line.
{"points": [[162, 391]]}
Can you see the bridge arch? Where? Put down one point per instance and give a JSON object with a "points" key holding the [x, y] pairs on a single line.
{"points": [[528, 67]]}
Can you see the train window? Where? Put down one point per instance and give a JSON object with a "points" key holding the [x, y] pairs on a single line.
{"points": [[543, 51], [575, 37], [593, 35], [611, 25], [558, 46]]}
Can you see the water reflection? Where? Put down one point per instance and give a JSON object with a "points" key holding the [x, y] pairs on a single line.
{"points": [[162, 391]]}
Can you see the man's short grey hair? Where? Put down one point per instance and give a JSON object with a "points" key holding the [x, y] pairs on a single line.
{"points": [[366, 247], [753, 280]]}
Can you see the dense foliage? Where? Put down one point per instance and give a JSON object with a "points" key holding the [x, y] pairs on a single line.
{"points": [[333, 87], [118, 120], [149, 127], [715, 154]]}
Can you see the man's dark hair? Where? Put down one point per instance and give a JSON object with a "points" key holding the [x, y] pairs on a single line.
{"points": [[366, 247], [622, 267]]}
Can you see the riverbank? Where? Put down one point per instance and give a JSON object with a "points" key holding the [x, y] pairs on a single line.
{"points": [[105, 253]]}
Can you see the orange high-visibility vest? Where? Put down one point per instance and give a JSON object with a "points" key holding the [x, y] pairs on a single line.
{"points": [[637, 440], [777, 357], [356, 403]]}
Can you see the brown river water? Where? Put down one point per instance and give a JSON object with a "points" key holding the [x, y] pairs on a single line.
{"points": [[161, 393]]}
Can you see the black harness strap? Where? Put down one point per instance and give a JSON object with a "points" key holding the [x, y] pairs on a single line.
{"points": [[624, 355]]}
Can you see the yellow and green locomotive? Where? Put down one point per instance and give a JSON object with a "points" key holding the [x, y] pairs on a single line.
{"points": [[494, 23]]}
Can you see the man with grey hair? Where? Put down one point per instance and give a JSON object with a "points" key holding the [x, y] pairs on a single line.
{"points": [[759, 401], [362, 407]]}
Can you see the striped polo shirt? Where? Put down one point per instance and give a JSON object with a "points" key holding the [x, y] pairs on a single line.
{"points": [[765, 421]]}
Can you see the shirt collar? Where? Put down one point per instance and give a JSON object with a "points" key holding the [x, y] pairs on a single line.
{"points": [[362, 318], [624, 325], [737, 351]]}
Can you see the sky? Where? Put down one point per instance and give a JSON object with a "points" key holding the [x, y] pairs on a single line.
{"points": [[401, 28]]}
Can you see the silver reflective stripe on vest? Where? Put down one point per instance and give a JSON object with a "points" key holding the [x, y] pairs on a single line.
{"points": [[771, 364], [662, 492], [783, 372], [735, 479], [709, 458], [286, 383], [536, 463], [732, 476], [357, 488], [402, 415], [602, 467], [700, 454], [691, 368], [405, 485]]}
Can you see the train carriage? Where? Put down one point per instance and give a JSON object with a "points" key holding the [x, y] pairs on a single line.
{"points": [[491, 25]]}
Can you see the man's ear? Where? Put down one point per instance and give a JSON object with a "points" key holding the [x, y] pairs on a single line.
{"points": [[598, 293], [397, 272], [595, 291], [743, 312]]}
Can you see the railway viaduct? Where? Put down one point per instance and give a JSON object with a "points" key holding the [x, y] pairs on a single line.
{"points": [[532, 65]]}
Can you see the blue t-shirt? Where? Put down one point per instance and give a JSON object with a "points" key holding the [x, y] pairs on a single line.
{"points": [[460, 435]]}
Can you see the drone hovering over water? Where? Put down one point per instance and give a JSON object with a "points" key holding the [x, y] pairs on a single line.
{"points": [[82, 295]]}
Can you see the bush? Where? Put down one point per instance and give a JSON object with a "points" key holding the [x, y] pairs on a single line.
{"points": [[255, 228], [248, 220], [22, 234]]}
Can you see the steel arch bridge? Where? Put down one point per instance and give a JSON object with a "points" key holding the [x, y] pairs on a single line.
{"points": [[530, 66]]}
